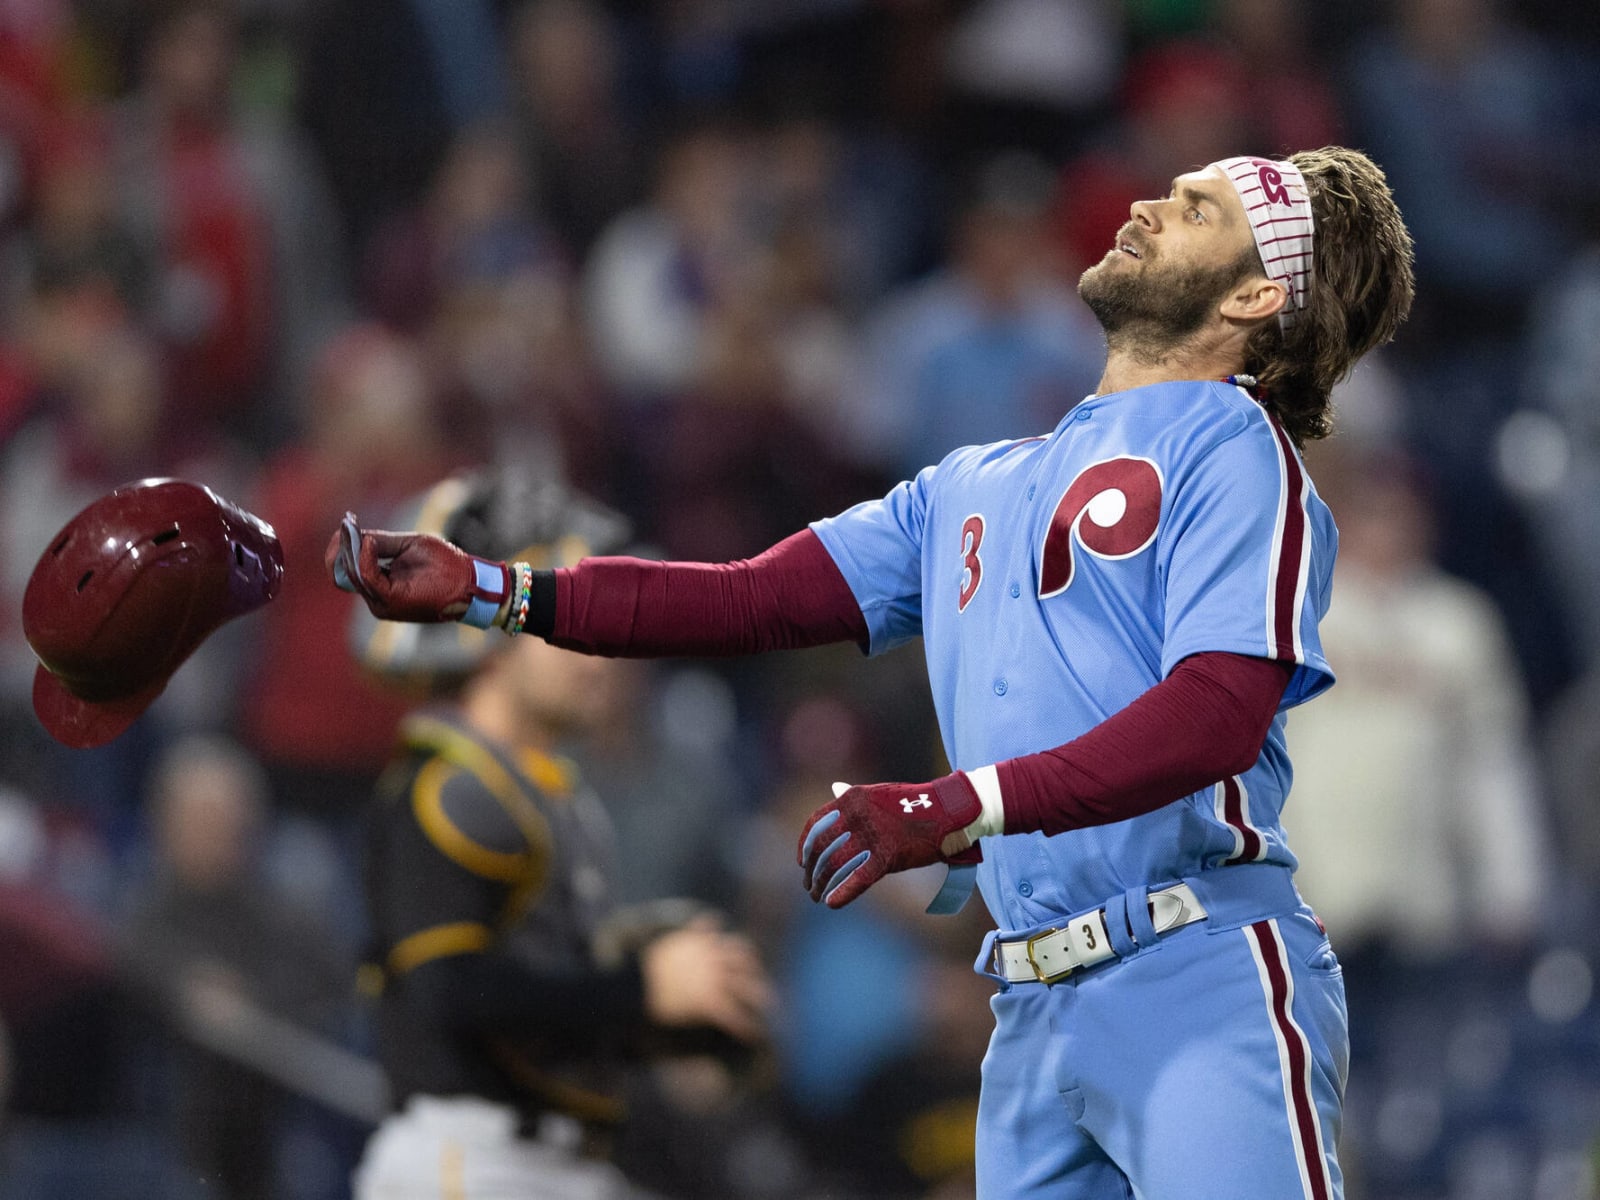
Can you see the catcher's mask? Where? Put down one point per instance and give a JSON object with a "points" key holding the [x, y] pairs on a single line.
{"points": [[495, 514], [126, 592]]}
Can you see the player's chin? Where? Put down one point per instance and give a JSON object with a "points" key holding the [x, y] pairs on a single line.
{"points": [[1109, 263]]}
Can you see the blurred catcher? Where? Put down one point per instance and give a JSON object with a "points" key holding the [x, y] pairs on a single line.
{"points": [[513, 993]]}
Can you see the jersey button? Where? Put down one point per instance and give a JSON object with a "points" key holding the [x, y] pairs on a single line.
{"points": [[1025, 888], [999, 687], [1031, 489], [1084, 416], [1016, 590]]}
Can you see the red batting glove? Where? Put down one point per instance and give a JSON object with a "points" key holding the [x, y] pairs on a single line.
{"points": [[873, 831], [415, 576]]}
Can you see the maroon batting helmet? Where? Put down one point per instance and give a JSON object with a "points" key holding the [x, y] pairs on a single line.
{"points": [[127, 591]]}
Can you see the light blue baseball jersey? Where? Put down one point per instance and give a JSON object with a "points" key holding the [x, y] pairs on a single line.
{"points": [[1055, 579]]}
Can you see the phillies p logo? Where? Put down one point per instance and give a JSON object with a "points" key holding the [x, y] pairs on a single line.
{"points": [[1111, 510]]}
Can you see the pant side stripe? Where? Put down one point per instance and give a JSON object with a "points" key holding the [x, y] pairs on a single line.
{"points": [[1294, 1058]]}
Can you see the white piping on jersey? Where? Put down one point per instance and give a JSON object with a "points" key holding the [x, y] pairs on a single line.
{"points": [[1241, 828], [1304, 573], [1280, 529]]}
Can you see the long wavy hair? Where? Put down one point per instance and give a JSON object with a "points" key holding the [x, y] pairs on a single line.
{"points": [[1362, 285]]}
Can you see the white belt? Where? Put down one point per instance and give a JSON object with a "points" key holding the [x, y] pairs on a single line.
{"points": [[1083, 941]]}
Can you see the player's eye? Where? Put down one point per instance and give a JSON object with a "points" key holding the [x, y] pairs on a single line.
{"points": [[1194, 215]]}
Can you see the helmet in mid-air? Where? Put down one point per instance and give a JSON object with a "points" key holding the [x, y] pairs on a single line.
{"points": [[126, 592]]}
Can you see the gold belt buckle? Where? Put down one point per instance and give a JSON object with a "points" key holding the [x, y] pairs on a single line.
{"points": [[1038, 972]]}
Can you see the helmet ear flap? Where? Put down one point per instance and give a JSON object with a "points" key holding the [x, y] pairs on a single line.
{"points": [[127, 591]]}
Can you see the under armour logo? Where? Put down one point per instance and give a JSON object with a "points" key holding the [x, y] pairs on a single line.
{"points": [[1272, 185], [921, 801]]}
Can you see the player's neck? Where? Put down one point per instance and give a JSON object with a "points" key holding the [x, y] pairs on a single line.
{"points": [[1133, 362], [1125, 375]]}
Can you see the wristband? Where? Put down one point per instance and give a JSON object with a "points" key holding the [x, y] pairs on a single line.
{"points": [[517, 618], [491, 582], [992, 820]]}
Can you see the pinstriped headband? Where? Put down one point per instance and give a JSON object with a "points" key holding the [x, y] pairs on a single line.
{"points": [[1279, 207]]}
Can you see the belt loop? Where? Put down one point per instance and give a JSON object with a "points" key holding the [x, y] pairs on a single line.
{"points": [[1139, 920], [1116, 911], [984, 963]]}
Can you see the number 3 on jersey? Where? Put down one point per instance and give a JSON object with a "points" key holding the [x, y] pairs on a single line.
{"points": [[972, 565], [1112, 510]]}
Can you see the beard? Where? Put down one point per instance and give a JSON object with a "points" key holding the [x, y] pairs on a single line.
{"points": [[1151, 311]]}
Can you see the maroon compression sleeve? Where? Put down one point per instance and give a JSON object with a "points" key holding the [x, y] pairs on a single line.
{"points": [[1202, 723], [789, 597]]}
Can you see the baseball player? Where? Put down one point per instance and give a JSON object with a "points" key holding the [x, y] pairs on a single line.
{"points": [[512, 992], [1116, 615]]}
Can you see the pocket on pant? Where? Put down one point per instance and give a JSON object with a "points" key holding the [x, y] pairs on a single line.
{"points": [[1306, 939]]}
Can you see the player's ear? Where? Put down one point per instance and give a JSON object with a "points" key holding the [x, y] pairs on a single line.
{"points": [[1254, 298]]}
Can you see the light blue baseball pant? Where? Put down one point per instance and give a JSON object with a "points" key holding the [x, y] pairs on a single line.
{"points": [[1208, 1064]]}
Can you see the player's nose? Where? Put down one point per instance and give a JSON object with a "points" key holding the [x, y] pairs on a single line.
{"points": [[1144, 212]]}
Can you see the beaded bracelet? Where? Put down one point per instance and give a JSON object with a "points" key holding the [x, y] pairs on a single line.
{"points": [[519, 617]]}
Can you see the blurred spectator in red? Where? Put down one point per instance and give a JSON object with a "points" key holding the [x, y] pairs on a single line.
{"points": [[1293, 103], [75, 237], [372, 440], [72, 271], [33, 52], [234, 218], [1184, 104], [585, 157]]}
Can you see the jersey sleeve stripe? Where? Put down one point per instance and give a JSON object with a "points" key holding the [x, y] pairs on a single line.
{"points": [[1289, 563]]}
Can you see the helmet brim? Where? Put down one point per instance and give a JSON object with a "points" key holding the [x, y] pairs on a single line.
{"points": [[83, 724]]}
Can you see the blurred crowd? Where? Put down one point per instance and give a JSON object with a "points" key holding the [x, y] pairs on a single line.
{"points": [[731, 267]]}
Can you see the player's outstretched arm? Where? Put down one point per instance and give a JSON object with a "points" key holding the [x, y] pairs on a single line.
{"points": [[789, 597]]}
